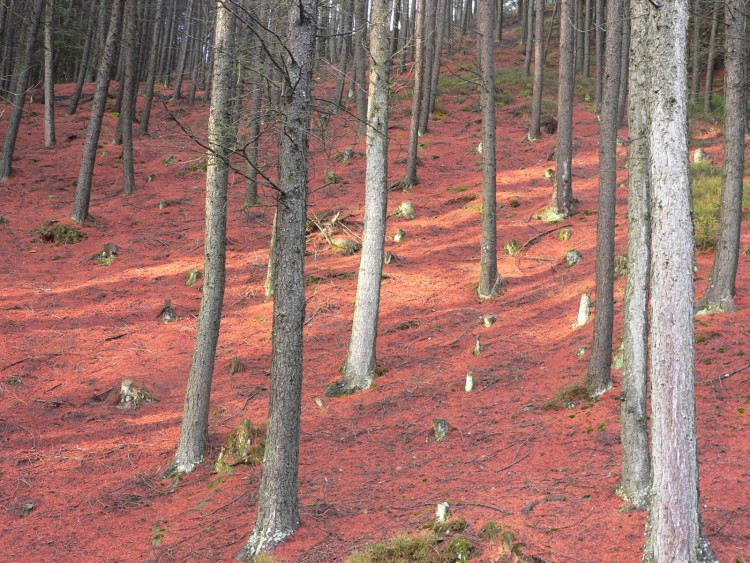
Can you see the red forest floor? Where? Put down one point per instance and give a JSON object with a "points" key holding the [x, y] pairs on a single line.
{"points": [[369, 468]]}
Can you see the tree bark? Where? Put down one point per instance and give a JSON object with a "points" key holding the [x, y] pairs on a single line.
{"points": [[636, 462], [429, 64], [148, 90], [86, 172], [587, 39], [622, 97], [410, 179], [360, 36], [673, 532], [129, 86], [599, 55], [721, 284], [194, 429], [186, 35], [711, 57], [695, 48], [536, 103], [85, 63], [598, 376], [563, 199], [359, 369], [490, 282], [529, 35], [278, 507], [49, 79], [19, 93]]}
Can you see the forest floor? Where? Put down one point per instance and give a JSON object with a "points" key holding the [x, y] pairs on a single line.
{"points": [[80, 475]]}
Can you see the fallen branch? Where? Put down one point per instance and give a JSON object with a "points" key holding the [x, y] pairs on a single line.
{"points": [[724, 375], [533, 504], [535, 238]]}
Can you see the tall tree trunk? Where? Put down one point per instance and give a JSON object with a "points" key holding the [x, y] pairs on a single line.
{"points": [[49, 79], [86, 172], [359, 369], [194, 429], [587, 39], [579, 17], [721, 284], [563, 199], [673, 532], [636, 463], [188, 30], [429, 64], [360, 36], [536, 103], [622, 97], [278, 507], [695, 47], [85, 63], [19, 92], [411, 159], [148, 90], [490, 282], [345, 58], [598, 376], [711, 57], [529, 35], [599, 55], [129, 85]]}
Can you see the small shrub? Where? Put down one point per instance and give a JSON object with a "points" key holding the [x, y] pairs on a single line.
{"points": [[57, 234]]}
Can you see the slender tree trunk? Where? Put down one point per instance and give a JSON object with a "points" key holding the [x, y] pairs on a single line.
{"points": [[129, 85], [490, 282], [19, 93], [278, 507], [49, 79], [411, 160], [563, 199], [622, 97], [598, 376], [673, 532], [429, 64], [529, 35], [636, 463], [359, 369], [194, 429], [86, 172], [187, 32], [579, 33], [599, 62], [711, 57], [148, 91], [721, 284], [500, 11], [85, 63], [587, 39], [345, 58], [536, 103], [360, 35], [695, 48]]}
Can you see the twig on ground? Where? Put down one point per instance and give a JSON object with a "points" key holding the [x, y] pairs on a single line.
{"points": [[724, 375], [533, 504]]}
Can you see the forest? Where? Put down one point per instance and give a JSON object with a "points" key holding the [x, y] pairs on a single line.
{"points": [[374, 281]]}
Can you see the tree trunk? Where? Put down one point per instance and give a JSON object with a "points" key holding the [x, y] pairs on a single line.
{"points": [[636, 464], [411, 160], [19, 93], [148, 90], [599, 62], [129, 85], [86, 172], [720, 292], [529, 35], [188, 29], [587, 39], [278, 507], [194, 429], [49, 79], [490, 282], [345, 58], [536, 103], [563, 199], [711, 57], [359, 369], [360, 36], [598, 376], [673, 532], [622, 97], [429, 64], [695, 47], [85, 63]]}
